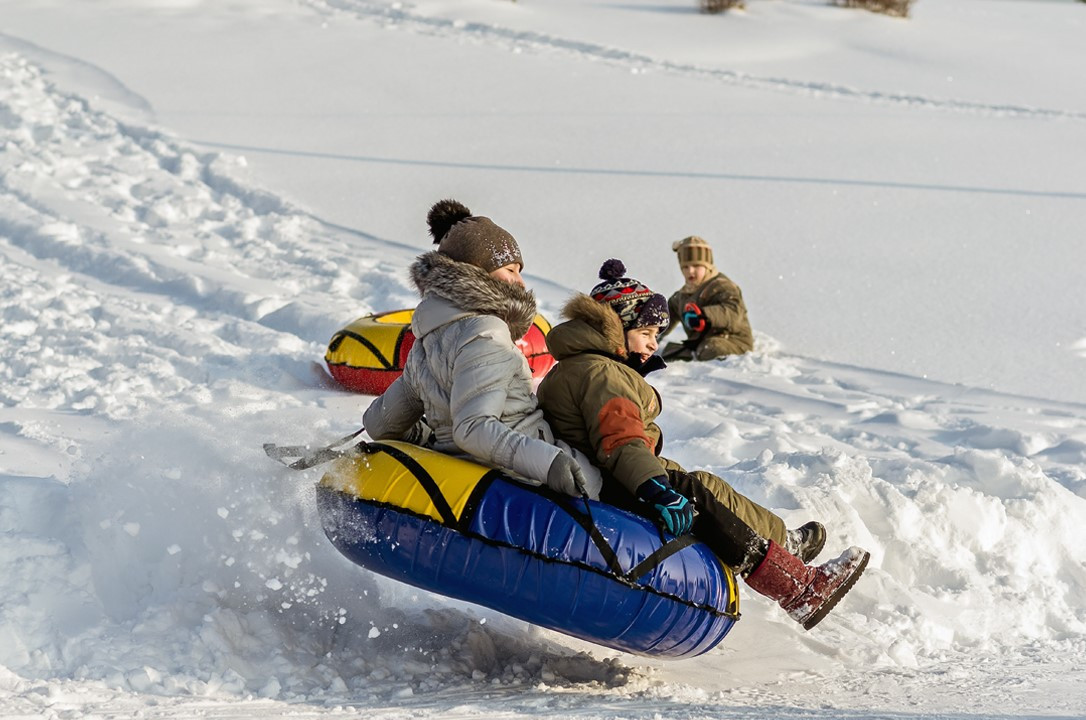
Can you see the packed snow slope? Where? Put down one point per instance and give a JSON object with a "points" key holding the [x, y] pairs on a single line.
{"points": [[194, 196], [906, 195]]}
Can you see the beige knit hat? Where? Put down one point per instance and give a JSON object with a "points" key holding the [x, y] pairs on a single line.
{"points": [[693, 251]]}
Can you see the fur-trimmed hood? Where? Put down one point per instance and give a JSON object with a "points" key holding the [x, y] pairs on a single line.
{"points": [[467, 290], [590, 327]]}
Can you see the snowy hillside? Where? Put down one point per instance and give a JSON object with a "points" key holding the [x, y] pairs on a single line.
{"points": [[194, 196]]}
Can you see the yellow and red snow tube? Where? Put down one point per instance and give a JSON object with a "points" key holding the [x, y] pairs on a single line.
{"points": [[369, 354], [581, 567]]}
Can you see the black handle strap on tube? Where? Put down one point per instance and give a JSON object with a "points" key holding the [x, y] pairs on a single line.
{"points": [[307, 457]]}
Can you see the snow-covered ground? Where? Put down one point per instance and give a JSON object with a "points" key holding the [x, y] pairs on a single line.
{"points": [[195, 195]]}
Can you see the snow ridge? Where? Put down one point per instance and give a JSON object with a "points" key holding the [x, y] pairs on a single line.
{"points": [[401, 15]]}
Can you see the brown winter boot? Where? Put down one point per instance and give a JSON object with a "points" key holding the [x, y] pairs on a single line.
{"points": [[806, 541], [807, 594]]}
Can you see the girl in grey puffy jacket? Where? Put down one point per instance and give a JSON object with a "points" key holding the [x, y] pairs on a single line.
{"points": [[466, 387]]}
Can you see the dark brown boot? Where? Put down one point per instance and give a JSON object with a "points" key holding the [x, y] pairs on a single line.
{"points": [[806, 541], [806, 593]]}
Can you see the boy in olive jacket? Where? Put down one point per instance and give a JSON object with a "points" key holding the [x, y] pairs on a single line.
{"points": [[597, 400], [709, 306]]}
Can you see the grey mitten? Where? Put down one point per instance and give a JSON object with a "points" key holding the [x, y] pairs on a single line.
{"points": [[566, 476]]}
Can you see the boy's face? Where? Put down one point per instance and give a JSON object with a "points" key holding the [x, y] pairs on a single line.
{"points": [[642, 341], [694, 273]]}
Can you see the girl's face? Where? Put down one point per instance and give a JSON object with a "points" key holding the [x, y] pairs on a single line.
{"points": [[508, 274], [694, 274], [642, 341]]}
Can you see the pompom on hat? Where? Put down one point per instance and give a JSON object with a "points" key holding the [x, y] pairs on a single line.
{"points": [[693, 250], [635, 304], [471, 239]]}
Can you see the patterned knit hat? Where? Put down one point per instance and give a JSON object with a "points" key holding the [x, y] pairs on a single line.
{"points": [[471, 239], [636, 305], [693, 251]]}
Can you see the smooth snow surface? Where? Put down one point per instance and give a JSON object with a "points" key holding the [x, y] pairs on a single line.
{"points": [[195, 195]]}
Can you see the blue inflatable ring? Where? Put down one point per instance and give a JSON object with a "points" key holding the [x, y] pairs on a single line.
{"points": [[577, 566]]}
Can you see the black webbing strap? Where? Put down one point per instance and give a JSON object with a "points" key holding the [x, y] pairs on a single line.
{"points": [[589, 526], [307, 457], [471, 505], [659, 555], [445, 510], [343, 334], [642, 568]]}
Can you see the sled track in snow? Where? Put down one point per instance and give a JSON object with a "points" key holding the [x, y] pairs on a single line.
{"points": [[134, 208], [401, 15], [116, 236]]}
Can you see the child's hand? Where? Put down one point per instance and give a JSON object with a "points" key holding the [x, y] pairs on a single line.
{"points": [[694, 319], [676, 512]]}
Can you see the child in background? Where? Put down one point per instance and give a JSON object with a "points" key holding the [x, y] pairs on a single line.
{"points": [[597, 400], [709, 307]]}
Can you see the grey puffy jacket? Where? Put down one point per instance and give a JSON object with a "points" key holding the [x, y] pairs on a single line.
{"points": [[466, 379]]}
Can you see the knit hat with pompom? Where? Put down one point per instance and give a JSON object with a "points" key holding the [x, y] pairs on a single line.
{"points": [[471, 239], [636, 305]]}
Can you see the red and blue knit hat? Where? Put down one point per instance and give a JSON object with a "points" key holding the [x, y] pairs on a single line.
{"points": [[635, 304]]}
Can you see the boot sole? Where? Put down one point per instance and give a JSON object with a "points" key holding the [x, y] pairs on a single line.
{"points": [[832, 601]]}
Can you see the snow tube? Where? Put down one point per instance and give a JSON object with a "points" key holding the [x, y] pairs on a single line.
{"points": [[369, 354], [580, 567]]}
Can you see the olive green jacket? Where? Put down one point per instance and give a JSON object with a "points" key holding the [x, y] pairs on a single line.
{"points": [[595, 402], [606, 410], [721, 301]]}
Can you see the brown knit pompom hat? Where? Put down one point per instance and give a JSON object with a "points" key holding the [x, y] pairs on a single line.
{"points": [[471, 239], [693, 251]]}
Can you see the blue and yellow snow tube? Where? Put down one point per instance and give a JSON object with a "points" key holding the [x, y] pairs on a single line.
{"points": [[580, 567]]}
